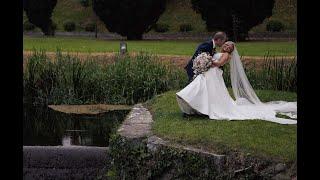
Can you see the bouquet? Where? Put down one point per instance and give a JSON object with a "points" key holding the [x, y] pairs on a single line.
{"points": [[201, 64]]}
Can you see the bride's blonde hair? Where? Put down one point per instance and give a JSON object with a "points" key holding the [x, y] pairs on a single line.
{"points": [[231, 43]]}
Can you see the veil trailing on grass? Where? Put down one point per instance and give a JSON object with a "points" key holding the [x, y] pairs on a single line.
{"points": [[244, 93]]}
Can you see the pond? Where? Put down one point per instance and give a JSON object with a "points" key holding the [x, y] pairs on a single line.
{"points": [[43, 126]]}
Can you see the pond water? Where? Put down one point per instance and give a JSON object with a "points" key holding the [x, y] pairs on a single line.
{"points": [[43, 126]]}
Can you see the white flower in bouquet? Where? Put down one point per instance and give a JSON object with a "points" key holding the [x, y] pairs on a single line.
{"points": [[201, 64]]}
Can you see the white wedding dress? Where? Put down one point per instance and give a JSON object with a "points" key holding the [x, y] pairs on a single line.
{"points": [[207, 94]]}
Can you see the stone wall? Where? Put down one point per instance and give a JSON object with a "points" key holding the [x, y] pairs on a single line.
{"points": [[65, 162], [138, 154]]}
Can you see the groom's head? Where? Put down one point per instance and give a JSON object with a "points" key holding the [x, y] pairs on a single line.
{"points": [[220, 38]]}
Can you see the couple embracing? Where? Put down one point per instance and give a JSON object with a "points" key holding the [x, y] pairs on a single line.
{"points": [[206, 94]]}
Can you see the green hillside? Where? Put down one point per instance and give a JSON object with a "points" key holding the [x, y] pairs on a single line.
{"points": [[177, 12]]}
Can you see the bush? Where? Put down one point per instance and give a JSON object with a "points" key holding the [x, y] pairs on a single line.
{"points": [[90, 27], [84, 3], [69, 26], [161, 27], [27, 26], [275, 26], [185, 27]]}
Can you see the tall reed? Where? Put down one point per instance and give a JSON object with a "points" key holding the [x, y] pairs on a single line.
{"points": [[68, 80], [128, 80], [274, 74]]}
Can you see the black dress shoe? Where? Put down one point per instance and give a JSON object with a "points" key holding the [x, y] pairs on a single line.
{"points": [[185, 115], [203, 115]]}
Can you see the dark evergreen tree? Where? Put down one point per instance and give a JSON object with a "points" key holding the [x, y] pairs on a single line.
{"points": [[39, 13], [235, 17], [130, 18]]}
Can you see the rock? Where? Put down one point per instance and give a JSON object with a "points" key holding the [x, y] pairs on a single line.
{"points": [[281, 177], [137, 124], [154, 142], [279, 167]]}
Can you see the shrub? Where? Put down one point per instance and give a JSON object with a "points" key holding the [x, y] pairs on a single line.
{"points": [[275, 26], [69, 26], [161, 27], [185, 27], [27, 26], [90, 27]]}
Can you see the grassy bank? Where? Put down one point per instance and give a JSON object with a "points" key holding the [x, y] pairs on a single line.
{"points": [[257, 137]]}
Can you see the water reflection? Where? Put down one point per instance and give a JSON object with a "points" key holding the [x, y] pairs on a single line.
{"points": [[46, 127]]}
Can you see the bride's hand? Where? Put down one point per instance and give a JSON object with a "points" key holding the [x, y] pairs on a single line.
{"points": [[214, 64], [223, 59]]}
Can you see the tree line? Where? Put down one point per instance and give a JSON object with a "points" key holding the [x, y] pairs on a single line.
{"points": [[134, 18]]}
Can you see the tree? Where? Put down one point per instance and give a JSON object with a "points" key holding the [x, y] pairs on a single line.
{"points": [[39, 13], [130, 18], [233, 16]]}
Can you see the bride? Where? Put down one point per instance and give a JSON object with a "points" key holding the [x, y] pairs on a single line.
{"points": [[207, 94]]}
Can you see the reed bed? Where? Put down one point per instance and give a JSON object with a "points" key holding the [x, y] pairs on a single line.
{"points": [[273, 74], [69, 80], [129, 79]]}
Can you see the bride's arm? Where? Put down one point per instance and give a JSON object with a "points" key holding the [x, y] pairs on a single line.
{"points": [[223, 59]]}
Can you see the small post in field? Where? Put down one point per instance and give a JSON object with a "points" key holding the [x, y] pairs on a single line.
{"points": [[123, 48]]}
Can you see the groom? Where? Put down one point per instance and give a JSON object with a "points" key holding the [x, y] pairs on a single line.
{"points": [[218, 39]]}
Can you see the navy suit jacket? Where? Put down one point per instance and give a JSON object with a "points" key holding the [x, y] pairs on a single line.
{"points": [[203, 47]]}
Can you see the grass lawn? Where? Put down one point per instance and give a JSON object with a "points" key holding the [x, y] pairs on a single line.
{"points": [[257, 137], [157, 47]]}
